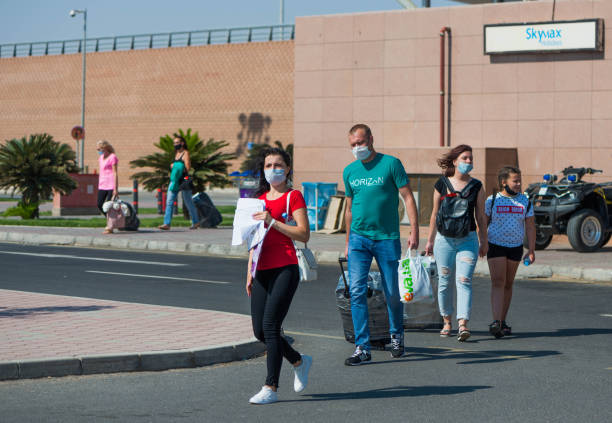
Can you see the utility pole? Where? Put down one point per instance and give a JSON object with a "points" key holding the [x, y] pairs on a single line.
{"points": [[73, 13]]}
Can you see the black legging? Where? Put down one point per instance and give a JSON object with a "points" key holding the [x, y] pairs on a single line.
{"points": [[271, 296], [104, 195]]}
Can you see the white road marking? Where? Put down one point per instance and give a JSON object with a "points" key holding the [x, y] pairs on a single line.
{"points": [[606, 315], [314, 334], [68, 256], [155, 277]]}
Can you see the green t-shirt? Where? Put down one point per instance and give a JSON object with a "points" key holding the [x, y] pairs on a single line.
{"points": [[373, 186]]}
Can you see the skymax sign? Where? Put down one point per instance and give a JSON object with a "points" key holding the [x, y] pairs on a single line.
{"points": [[542, 37]]}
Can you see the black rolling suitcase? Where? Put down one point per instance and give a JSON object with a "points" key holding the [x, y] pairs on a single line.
{"points": [[378, 318], [208, 213]]}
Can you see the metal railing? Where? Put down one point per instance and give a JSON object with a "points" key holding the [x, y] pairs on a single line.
{"points": [[148, 41]]}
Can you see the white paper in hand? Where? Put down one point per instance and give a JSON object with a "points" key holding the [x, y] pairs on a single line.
{"points": [[247, 229]]}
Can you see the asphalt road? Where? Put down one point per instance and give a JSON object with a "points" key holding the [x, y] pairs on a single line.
{"points": [[557, 367]]}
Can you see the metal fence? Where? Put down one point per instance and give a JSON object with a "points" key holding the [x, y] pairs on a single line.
{"points": [[147, 41]]}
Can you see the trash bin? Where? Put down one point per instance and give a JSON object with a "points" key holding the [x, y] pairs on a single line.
{"points": [[247, 187], [317, 195], [246, 183]]}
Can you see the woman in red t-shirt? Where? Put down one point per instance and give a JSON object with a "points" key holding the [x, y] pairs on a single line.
{"points": [[277, 274]]}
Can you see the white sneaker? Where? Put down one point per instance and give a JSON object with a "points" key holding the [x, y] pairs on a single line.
{"points": [[301, 374], [265, 396]]}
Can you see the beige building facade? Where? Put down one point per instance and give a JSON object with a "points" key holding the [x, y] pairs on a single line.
{"points": [[383, 69]]}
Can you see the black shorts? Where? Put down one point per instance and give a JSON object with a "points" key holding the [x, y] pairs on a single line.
{"points": [[511, 253]]}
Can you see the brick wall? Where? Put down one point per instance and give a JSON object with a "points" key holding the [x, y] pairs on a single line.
{"points": [[235, 92]]}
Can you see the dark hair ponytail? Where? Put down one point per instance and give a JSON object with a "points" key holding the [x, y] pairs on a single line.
{"points": [[264, 186]]}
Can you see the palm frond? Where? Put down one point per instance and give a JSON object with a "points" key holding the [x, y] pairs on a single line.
{"points": [[36, 166], [209, 164]]}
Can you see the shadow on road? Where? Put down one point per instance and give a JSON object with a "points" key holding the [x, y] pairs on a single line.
{"points": [[28, 312], [394, 392], [561, 333], [484, 336], [466, 356]]}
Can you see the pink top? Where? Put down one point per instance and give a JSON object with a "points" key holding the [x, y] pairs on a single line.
{"points": [[107, 180]]}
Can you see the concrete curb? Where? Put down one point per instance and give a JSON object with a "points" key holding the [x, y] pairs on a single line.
{"points": [[547, 271], [134, 362], [322, 256]]}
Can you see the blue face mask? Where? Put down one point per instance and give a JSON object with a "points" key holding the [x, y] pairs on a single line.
{"points": [[100, 153], [464, 167], [361, 152], [275, 176]]}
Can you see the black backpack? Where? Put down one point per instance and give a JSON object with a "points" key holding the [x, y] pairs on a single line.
{"points": [[453, 218]]}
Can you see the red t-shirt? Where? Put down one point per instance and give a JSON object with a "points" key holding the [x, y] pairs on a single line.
{"points": [[278, 249]]}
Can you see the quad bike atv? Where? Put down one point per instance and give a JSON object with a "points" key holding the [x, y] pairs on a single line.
{"points": [[581, 210]]}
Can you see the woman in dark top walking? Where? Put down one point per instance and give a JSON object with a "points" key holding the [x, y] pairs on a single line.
{"points": [[457, 253], [181, 160]]}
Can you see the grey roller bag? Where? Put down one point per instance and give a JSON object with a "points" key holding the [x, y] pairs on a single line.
{"points": [[378, 317]]}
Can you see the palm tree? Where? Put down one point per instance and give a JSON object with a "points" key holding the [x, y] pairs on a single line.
{"points": [[35, 167], [208, 164]]}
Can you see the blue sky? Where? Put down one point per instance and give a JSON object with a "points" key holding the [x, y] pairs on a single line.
{"points": [[48, 20]]}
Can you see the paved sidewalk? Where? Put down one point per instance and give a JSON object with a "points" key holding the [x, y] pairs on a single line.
{"points": [[54, 335]]}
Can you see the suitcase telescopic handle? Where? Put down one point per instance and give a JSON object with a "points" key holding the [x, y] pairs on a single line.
{"points": [[342, 260]]}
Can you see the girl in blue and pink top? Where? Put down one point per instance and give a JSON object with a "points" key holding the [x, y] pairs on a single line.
{"points": [[108, 182], [510, 216]]}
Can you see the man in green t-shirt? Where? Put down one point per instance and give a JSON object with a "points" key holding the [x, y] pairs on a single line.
{"points": [[372, 184]]}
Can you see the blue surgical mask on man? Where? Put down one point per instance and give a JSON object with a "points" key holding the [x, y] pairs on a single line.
{"points": [[274, 176], [361, 152], [464, 167]]}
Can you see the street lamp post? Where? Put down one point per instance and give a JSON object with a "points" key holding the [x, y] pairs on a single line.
{"points": [[73, 13]]}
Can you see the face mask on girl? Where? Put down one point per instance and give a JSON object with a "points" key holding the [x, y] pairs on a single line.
{"points": [[464, 167], [275, 176], [361, 152], [177, 147], [509, 191], [100, 152]]}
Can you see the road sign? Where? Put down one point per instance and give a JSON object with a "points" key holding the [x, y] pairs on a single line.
{"points": [[78, 133]]}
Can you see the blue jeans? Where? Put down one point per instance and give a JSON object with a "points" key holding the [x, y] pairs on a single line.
{"points": [[456, 256], [188, 203], [387, 252]]}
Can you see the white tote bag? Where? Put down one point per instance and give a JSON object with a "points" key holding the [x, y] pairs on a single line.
{"points": [[413, 278], [307, 263], [306, 259]]}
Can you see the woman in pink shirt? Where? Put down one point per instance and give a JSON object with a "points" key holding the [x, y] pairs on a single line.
{"points": [[108, 181]]}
